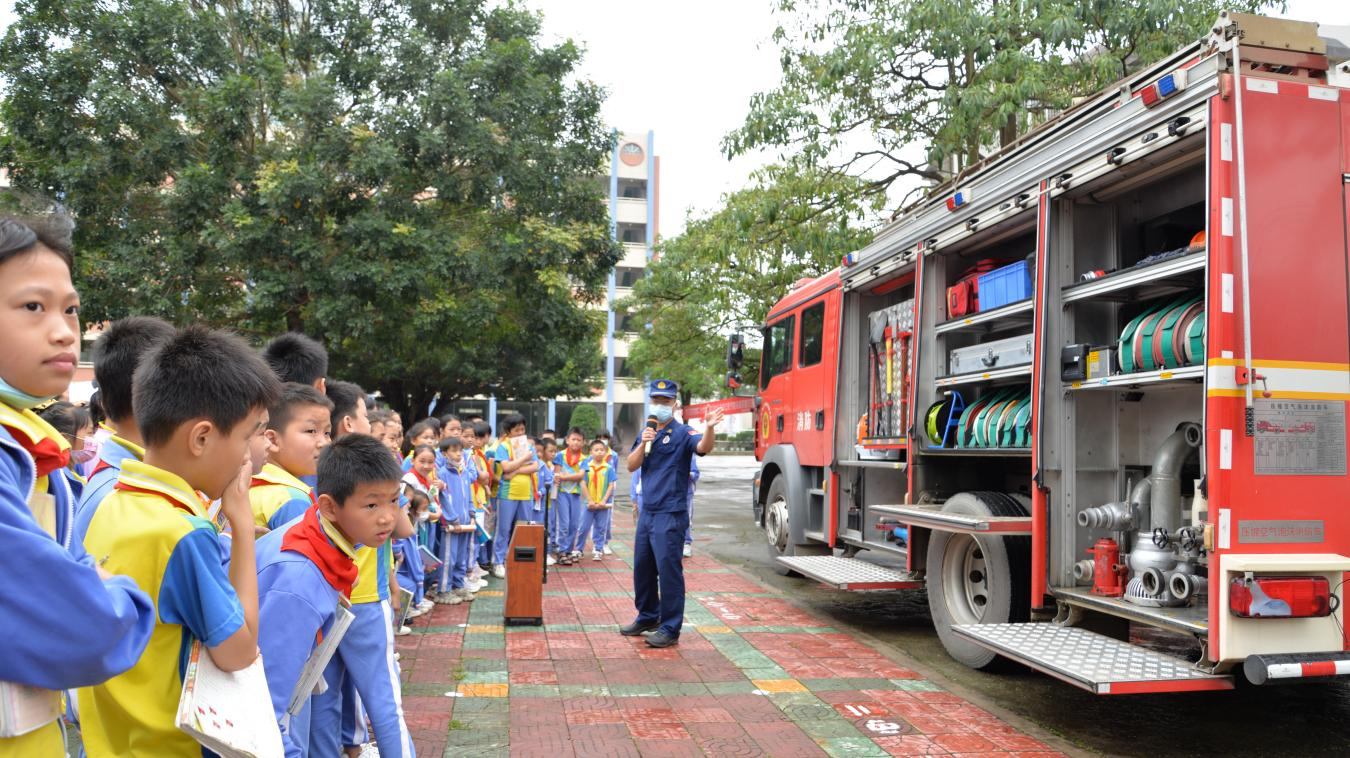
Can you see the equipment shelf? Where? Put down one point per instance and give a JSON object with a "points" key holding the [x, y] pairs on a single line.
{"points": [[1015, 314], [989, 452], [933, 517], [1140, 283], [1184, 619], [1011, 372], [893, 465], [1143, 378]]}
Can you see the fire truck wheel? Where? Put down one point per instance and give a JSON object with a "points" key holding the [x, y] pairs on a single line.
{"points": [[777, 520], [977, 580]]}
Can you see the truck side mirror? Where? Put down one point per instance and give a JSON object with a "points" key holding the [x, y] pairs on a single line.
{"points": [[735, 352]]}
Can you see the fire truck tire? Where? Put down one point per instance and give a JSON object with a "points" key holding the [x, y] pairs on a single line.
{"points": [[777, 531], [978, 580]]}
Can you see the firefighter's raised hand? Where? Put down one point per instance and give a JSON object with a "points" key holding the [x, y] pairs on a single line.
{"points": [[715, 417]]}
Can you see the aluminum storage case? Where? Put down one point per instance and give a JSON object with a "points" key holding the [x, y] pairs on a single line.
{"points": [[988, 356]]}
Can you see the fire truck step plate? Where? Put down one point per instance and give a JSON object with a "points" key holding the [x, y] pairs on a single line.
{"points": [[849, 573], [933, 517], [1095, 662]]}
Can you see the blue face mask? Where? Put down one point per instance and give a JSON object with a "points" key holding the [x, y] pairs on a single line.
{"points": [[17, 398], [663, 413]]}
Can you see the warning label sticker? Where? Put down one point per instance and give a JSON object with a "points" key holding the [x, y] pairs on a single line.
{"points": [[1296, 437]]}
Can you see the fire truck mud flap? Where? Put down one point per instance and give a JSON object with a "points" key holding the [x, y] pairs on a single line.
{"points": [[1097, 663]]}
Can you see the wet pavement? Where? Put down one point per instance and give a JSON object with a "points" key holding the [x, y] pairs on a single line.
{"points": [[1292, 720], [755, 674]]}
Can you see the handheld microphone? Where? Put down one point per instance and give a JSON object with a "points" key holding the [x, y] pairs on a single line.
{"points": [[651, 424]]}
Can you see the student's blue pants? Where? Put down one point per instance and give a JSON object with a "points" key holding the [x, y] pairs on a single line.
{"points": [[365, 657], [658, 569], [568, 510], [407, 581], [456, 565], [594, 524], [508, 513], [446, 572]]}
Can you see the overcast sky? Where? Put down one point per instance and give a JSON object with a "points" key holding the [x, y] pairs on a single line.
{"points": [[686, 69]]}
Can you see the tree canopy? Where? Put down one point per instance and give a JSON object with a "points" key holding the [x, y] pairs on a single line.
{"points": [[916, 90], [412, 182]]}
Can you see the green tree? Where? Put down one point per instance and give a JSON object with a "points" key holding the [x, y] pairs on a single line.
{"points": [[917, 90], [412, 182], [586, 417], [722, 274]]}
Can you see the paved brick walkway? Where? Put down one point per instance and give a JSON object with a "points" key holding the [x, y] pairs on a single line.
{"points": [[752, 676]]}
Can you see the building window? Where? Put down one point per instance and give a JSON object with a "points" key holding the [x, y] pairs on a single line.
{"points": [[633, 233], [627, 276], [813, 335], [777, 356], [633, 189]]}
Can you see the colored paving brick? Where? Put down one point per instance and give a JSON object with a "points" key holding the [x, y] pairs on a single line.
{"points": [[753, 675]]}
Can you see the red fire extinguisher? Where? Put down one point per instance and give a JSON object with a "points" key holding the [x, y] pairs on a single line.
{"points": [[1108, 575]]}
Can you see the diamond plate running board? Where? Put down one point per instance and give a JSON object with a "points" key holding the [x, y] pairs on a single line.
{"points": [[1095, 662], [849, 573]]}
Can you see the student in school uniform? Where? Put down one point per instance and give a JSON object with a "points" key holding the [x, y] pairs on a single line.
{"points": [[458, 523], [409, 568], [89, 625], [694, 475], [306, 565], [613, 461], [598, 485], [363, 675], [568, 505], [516, 465], [117, 353], [475, 435], [299, 426], [201, 398], [544, 451]]}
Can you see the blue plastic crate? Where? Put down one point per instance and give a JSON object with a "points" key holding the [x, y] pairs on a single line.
{"points": [[1004, 286]]}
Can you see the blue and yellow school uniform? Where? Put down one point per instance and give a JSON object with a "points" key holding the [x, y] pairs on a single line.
{"points": [[364, 666], [515, 498], [459, 512], [296, 605], [568, 506], [108, 467], [84, 629], [154, 529], [278, 496], [598, 478]]}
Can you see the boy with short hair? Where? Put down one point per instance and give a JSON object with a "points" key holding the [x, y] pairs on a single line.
{"points": [[117, 353], [515, 464], [201, 397], [458, 476], [568, 505], [608, 439], [296, 357], [298, 429], [350, 415], [475, 438], [546, 449], [305, 566], [598, 484]]}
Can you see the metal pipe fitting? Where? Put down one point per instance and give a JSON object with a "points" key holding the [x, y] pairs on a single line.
{"points": [[1153, 581], [1082, 572], [1116, 517], [1186, 586], [1165, 506]]}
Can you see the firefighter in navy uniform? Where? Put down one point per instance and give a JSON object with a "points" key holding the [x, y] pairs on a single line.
{"points": [[658, 571]]}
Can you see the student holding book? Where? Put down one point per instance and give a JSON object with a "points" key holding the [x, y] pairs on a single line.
{"points": [[201, 399], [66, 622], [299, 427], [308, 564]]}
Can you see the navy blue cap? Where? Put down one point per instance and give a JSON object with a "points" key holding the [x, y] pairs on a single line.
{"points": [[662, 388]]}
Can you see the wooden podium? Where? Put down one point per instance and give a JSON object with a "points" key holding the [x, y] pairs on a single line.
{"points": [[525, 576]]}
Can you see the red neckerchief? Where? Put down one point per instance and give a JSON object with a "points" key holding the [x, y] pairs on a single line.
{"points": [[102, 465], [260, 482], [567, 458], [308, 539], [421, 479], [124, 487], [46, 453]]}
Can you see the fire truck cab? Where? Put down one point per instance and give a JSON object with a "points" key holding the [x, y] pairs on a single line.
{"points": [[1098, 380]]}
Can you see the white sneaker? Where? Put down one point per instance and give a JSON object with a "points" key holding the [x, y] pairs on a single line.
{"points": [[465, 594], [576, 555], [403, 631], [607, 551], [415, 612], [499, 571], [426, 605], [595, 555], [551, 561], [369, 750], [688, 550], [449, 598]]}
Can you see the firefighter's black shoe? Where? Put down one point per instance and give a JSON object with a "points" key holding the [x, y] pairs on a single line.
{"points": [[637, 627], [661, 639]]}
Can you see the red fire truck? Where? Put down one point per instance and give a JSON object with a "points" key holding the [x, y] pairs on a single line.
{"points": [[1098, 380]]}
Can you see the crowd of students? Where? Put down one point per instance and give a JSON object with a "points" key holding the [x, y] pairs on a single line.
{"points": [[234, 499]]}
